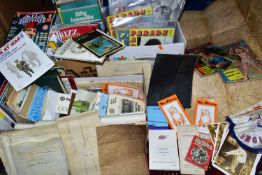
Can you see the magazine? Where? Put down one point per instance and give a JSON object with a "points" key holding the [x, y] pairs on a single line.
{"points": [[60, 35], [151, 36], [136, 12], [99, 43], [35, 24], [22, 62]]}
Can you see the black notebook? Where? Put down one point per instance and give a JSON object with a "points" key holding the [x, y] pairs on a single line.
{"points": [[172, 74]]}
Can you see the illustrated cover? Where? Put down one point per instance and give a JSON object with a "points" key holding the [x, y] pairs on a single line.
{"points": [[174, 112], [22, 62], [83, 11], [99, 43], [246, 65], [35, 24], [151, 36], [233, 159], [185, 135], [163, 150], [206, 112], [145, 11], [122, 35], [200, 152], [71, 50]]}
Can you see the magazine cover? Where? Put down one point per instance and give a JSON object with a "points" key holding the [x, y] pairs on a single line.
{"points": [[246, 65], [151, 36], [122, 35], [200, 152], [22, 62], [60, 35], [99, 43], [35, 24], [145, 11]]}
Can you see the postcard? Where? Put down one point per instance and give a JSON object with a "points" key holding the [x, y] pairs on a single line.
{"points": [[22, 61], [233, 159], [174, 111], [163, 151]]}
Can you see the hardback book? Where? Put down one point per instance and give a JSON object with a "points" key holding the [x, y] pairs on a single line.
{"points": [[22, 61], [99, 43], [35, 24], [163, 150]]}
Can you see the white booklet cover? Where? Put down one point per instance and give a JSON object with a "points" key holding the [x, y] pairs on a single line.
{"points": [[22, 61], [163, 151]]}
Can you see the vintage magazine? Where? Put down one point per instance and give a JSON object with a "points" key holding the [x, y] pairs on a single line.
{"points": [[151, 36], [136, 12], [35, 24], [60, 35], [22, 61], [99, 43], [200, 152], [185, 135], [233, 159], [245, 64]]}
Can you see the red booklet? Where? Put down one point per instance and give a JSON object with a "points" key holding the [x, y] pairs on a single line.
{"points": [[200, 152]]}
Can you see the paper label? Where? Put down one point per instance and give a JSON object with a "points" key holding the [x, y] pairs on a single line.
{"points": [[63, 102]]}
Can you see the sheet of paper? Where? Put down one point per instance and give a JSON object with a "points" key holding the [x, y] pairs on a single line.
{"points": [[33, 151], [163, 151], [78, 134]]}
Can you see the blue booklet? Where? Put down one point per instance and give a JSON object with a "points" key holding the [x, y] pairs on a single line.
{"points": [[155, 118]]}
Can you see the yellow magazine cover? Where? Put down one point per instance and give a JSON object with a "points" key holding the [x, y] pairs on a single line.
{"points": [[151, 36], [145, 11]]}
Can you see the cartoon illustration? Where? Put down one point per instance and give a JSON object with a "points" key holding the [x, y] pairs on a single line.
{"points": [[24, 66], [177, 117], [205, 118]]}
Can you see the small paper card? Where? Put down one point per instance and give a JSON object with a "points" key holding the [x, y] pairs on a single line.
{"points": [[163, 152], [63, 102], [205, 114], [200, 152], [128, 91], [174, 111]]}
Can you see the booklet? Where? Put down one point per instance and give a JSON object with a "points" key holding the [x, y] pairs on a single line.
{"points": [[35, 24], [99, 43], [163, 151], [22, 61]]}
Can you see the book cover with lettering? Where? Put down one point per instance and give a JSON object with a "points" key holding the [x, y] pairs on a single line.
{"points": [[22, 61], [200, 152], [35, 24], [151, 36]]}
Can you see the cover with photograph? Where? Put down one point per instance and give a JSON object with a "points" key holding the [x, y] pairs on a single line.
{"points": [[99, 43], [246, 65], [22, 62], [151, 36], [35, 24], [200, 152], [233, 159]]}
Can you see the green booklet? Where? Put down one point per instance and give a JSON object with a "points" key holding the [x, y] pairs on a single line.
{"points": [[84, 11]]}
